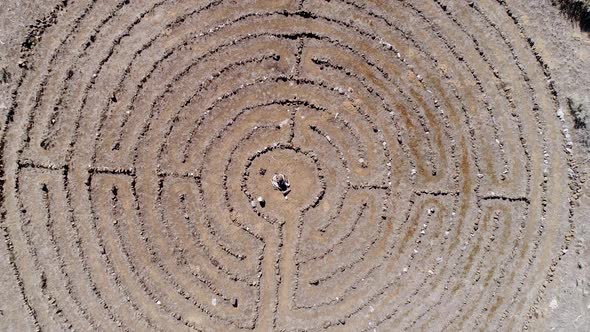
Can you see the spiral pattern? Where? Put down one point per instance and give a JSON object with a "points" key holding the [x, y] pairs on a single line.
{"points": [[429, 171]]}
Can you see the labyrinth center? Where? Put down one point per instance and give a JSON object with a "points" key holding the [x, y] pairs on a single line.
{"points": [[424, 158]]}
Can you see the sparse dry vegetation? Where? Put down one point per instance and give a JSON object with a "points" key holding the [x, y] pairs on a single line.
{"points": [[576, 10], [580, 111]]}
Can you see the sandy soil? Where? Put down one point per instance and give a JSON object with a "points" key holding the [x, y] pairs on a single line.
{"points": [[435, 181]]}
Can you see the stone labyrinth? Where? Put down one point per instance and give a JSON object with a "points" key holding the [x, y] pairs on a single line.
{"points": [[427, 181]]}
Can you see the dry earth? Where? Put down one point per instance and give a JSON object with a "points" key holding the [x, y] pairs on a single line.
{"points": [[436, 181]]}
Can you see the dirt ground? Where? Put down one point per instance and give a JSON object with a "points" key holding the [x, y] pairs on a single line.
{"points": [[293, 166]]}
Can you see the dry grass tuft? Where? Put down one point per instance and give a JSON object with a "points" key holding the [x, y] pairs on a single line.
{"points": [[580, 111]]}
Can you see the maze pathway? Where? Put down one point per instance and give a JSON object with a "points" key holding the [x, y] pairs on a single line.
{"points": [[430, 182]]}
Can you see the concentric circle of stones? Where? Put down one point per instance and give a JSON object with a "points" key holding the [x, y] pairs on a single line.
{"points": [[429, 172]]}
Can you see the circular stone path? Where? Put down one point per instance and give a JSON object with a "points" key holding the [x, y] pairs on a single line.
{"points": [[422, 141]]}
